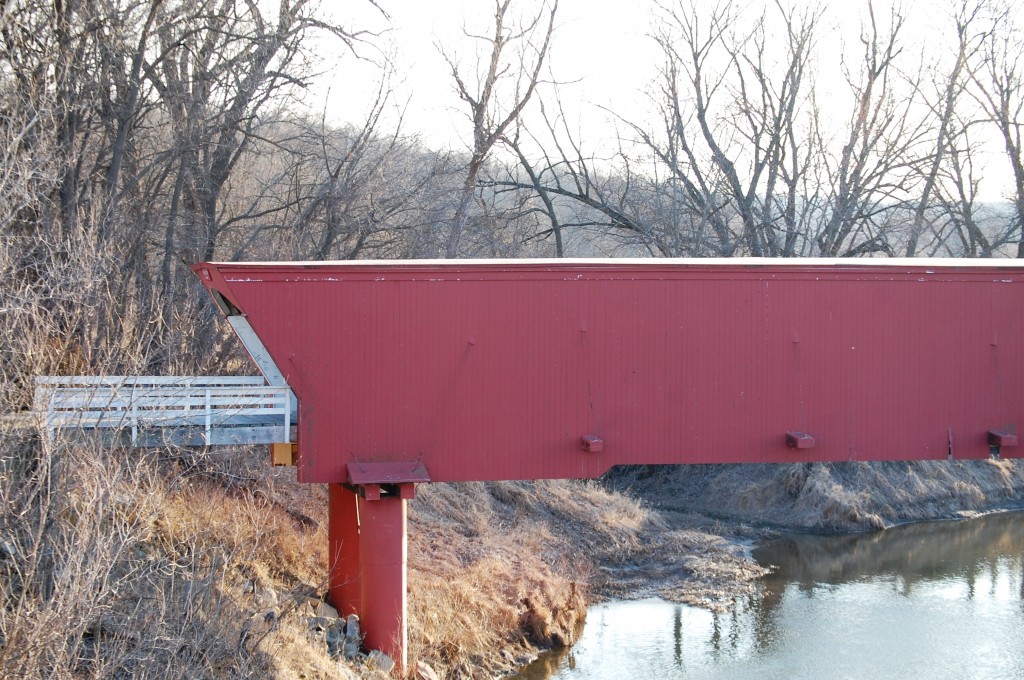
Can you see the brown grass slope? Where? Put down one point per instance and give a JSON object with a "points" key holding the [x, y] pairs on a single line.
{"points": [[510, 566], [830, 496], [182, 563]]}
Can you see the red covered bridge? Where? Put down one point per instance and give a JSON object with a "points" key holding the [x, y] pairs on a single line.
{"points": [[524, 369]]}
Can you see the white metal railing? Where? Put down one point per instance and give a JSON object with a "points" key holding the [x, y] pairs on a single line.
{"points": [[213, 403]]}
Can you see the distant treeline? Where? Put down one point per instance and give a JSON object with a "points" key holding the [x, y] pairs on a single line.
{"points": [[141, 136]]}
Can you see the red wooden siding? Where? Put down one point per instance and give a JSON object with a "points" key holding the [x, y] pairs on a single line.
{"points": [[495, 370]]}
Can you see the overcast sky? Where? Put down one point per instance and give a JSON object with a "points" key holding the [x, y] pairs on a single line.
{"points": [[602, 54]]}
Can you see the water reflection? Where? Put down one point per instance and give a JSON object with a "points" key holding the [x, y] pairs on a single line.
{"points": [[916, 551], [929, 601]]}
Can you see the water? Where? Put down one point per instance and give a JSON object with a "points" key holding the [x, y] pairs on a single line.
{"points": [[936, 600]]}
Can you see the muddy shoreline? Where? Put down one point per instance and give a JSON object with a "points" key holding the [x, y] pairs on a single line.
{"points": [[705, 520], [713, 514], [907, 573], [525, 559]]}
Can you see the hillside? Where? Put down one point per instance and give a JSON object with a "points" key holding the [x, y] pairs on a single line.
{"points": [[184, 563], [829, 497]]}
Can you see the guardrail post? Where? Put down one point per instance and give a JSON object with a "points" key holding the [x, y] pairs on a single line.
{"points": [[208, 416], [286, 435], [135, 420]]}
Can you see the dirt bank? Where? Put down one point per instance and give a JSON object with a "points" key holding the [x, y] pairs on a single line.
{"points": [[193, 564], [689, 528], [827, 496], [499, 571], [680, 533]]}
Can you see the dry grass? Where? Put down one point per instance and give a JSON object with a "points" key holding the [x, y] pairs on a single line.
{"points": [[501, 569], [832, 497], [490, 580], [113, 566], [175, 564], [135, 563]]}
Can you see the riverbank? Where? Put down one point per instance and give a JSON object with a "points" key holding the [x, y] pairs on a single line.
{"points": [[828, 497], [119, 561], [499, 572], [918, 600], [682, 534], [701, 521]]}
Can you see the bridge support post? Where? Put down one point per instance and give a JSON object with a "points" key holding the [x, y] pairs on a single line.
{"points": [[343, 545], [368, 556], [383, 555]]}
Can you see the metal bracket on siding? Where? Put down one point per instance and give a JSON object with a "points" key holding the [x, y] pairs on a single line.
{"points": [[799, 440], [1000, 439]]}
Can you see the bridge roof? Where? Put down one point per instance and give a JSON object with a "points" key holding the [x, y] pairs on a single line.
{"points": [[655, 263]]}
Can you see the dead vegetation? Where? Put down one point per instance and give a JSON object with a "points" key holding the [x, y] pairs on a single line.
{"points": [[123, 563], [830, 496], [178, 564], [512, 565], [188, 563], [174, 564], [515, 560]]}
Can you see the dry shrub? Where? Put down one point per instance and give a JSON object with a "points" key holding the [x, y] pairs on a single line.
{"points": [[269, 531], [267, 536], [67, 533], [112, 561], [824, 497], [111, 566]]}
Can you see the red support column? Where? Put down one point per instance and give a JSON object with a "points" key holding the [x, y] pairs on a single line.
{"points": [[343, 543], [383, 554]]}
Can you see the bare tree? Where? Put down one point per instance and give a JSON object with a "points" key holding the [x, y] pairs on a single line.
{"points": [[219, 68], [870, 178], [998, 80], [144, 109], [343, 193], [574, 195], [730, 105], [516, 54], [969, 226], [547, 200], [943, 110], [745, 159]]}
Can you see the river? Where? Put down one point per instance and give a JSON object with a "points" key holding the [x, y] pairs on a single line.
{"points": [[932, 601]]}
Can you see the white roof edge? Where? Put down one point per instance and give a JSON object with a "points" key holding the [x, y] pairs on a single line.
{"points": [[649, 261]]}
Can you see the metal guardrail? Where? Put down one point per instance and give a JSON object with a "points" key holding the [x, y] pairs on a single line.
{"points": [[155, 410]]}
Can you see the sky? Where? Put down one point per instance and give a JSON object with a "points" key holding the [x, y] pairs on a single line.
{"points": [[602, 56]]}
